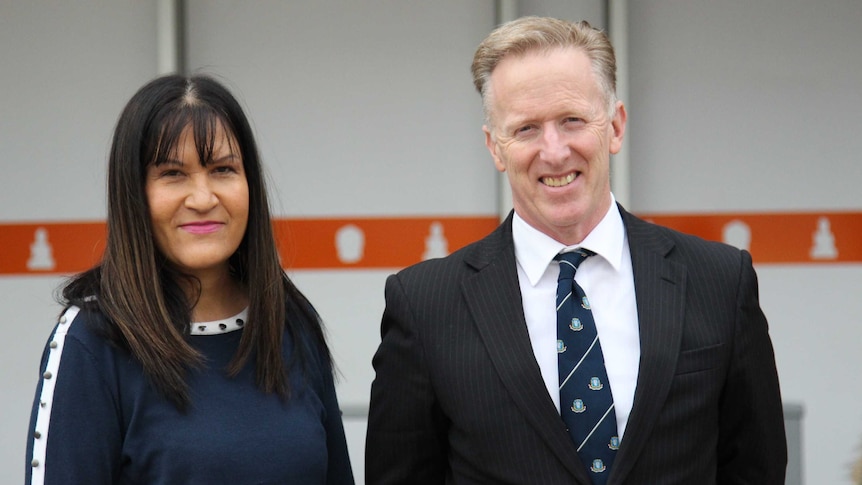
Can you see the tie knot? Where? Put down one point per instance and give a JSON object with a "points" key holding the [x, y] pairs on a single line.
{"points": [[570, 261]]}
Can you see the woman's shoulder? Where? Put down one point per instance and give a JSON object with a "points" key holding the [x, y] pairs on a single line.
{"points": [[86, 326]]}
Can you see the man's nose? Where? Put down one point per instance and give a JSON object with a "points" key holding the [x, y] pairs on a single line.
{"points": [[555, 145]]}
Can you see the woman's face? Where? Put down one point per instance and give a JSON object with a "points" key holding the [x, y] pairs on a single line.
{"points": [[199, 214]]}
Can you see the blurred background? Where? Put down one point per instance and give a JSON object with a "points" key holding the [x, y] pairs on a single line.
{"points": [[744, 125]]}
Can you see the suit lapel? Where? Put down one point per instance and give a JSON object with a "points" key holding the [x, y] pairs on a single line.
{"points": [[494, 299], [660, 294]]}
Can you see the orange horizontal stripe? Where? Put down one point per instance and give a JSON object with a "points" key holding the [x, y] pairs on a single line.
{"points": [[71, 247], [65, 248], [374, 243], [397, 242], [778, 238]]}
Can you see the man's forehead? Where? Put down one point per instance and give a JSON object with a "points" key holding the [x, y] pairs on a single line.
{"points": [[562, 73]]}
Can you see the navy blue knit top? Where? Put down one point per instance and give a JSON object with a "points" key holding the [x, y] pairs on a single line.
{"points": [[97, 420]]}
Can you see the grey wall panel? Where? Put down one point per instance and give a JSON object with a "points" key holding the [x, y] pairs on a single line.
{"points": [[743, 106], [67, 70], [363, 108]]}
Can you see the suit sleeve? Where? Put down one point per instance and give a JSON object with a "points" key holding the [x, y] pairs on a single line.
{"points": [[406, 440], [75, 431], [752, 442]]}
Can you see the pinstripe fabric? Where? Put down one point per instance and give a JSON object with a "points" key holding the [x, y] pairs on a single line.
{"points": [[458, 397]]}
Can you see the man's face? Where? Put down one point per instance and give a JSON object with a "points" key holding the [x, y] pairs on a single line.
{"points": [[551, 133]]}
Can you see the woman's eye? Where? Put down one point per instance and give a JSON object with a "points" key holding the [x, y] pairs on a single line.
{"points": [[223, 169], [170, 173]]}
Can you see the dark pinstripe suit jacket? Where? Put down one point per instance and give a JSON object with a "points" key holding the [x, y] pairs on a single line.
{"points": [[458, 396]]}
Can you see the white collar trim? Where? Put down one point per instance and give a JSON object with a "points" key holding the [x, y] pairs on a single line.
{"points": [[218, 327]]}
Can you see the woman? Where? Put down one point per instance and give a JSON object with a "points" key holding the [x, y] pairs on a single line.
{"points": [[187, 355]]}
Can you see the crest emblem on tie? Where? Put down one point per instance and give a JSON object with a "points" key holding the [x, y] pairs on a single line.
{"points": [[615, 443], [561, 347], [585, 303], [576, 324], [578, 406], [596, 384], [598, 466]]}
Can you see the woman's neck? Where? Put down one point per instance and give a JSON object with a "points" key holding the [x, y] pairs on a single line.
{"points": [[220, 296]]}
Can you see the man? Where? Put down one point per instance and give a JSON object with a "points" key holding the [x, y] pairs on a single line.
{"points": [[468, 380]]}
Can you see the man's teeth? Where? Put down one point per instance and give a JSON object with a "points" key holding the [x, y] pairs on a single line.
{"points": [[559, 181]]}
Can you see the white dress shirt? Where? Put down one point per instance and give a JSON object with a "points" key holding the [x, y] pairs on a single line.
{"points": [[608, 281]]}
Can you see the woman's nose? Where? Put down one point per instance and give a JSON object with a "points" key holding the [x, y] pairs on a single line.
{"points": [[201, 196]]}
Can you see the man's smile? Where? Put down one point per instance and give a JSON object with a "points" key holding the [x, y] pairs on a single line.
{"points": [[559, 181]]}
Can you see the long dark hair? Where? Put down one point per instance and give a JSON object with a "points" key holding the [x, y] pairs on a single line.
{"points": [[142, 295]]}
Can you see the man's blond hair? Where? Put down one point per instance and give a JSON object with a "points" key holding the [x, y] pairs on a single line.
{"points": [[530, 34]]}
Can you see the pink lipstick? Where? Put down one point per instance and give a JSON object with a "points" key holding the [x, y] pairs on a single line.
{"points": [[203, 227]]}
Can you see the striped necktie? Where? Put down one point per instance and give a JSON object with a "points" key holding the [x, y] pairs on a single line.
{"points": [[586, 402]]}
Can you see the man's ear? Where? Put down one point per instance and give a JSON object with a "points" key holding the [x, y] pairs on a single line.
{"points": [[618, 125]]}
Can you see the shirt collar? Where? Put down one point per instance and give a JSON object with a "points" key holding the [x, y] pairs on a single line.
{"points": [[534, 250]]}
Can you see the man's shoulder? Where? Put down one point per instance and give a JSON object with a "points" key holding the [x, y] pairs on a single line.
{"points": [[643, 230], [450, 263], [466, 260], [696, 242], [702, 256]]}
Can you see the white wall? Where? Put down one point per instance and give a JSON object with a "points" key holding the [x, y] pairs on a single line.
{"points": [[367, 109], [357, 104], [741, 106], [66, 70]]}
